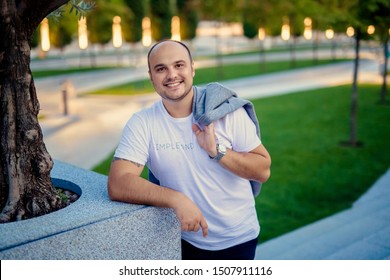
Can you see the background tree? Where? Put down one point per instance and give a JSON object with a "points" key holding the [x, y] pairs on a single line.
{"points": [[316, 11], [188, 18], [220, 12], [259, 14], [99, 21], [294, 14], [132, 26], [352, 13], [251, 15], [223, 10], [62, 30], [25, 184], [336, 13], [377, 13], [321, 13], [161, 16]]}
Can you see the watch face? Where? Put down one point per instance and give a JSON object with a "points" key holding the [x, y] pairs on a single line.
{"points": [[222, 149]]}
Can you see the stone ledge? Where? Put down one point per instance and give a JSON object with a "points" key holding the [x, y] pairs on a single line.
{"points": [[93, 227]]}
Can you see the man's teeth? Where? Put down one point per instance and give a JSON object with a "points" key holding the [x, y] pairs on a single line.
{"points": [[173, 85]]}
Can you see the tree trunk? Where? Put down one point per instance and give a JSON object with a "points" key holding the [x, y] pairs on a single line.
{"points": [[385, 59], [262, 57], [292, 48], [25, 185], [354, 101], [315, 48]]}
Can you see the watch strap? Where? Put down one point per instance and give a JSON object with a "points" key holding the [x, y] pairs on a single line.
{"points": [[221, 151]]}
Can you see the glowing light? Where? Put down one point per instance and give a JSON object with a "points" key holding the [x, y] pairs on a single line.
{"points": [[146, 32], [285, 32], [175, 28], [45, 38], [350, 31], [261, 34], [83, 33], [307, 21], [371, 29], [329, 33], [116, 32], [307, 33]]}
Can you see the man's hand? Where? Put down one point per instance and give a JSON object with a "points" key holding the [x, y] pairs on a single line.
{"points": [[125, 184], [206, 138], [190, 216], [253, 165]]}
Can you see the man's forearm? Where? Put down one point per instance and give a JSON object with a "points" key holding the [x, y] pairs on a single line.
{"points": [[131, 188], [251, 166]]}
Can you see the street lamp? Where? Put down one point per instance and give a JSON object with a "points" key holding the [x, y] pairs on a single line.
{"points": [[285, 34], [329, 33], [261, 34], [175, 28], [116, 32], [307, 33], [45, 38], [146, 32], [117, 36], [261, 37], [83, 33], [371, 29], [350, 31]]}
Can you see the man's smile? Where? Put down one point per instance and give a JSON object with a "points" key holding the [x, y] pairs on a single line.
{"points": [[173, 84]]}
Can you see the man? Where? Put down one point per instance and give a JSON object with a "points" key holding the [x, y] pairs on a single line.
{"points": [[204, 171]]}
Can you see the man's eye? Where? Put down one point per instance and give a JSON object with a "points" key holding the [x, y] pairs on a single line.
{"points": [[160, 69], [179, 65]]}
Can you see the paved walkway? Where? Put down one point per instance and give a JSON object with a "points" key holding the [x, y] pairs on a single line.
{"points": [[92, 131]]}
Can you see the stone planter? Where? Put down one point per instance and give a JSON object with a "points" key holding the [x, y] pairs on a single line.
{"points": [[93, 227]]}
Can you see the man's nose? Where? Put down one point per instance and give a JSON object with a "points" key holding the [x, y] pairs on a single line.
{"points": [[172, 73]]}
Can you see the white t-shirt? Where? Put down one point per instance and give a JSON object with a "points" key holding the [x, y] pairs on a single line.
{"points": [[169, 148]]}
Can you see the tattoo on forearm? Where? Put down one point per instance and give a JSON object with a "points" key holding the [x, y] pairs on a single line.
{"points": [[135, 163]]}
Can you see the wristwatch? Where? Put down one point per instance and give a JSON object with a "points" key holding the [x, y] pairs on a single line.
{"points": [[221, 151]]}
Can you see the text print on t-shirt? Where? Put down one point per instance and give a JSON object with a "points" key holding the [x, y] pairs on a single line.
{"points": [[174, 146]]}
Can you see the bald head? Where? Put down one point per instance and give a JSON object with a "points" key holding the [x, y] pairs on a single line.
{"points": [[156, 46]]}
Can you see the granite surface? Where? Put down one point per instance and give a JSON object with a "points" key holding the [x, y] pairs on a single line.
{"points": [[94, 227]]}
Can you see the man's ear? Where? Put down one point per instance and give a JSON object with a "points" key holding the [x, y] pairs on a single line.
{"points": [[150, 75], [193, 70]]}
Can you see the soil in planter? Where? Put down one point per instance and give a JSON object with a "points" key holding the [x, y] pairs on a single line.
{"points": [[67, 191], [67, 196]]}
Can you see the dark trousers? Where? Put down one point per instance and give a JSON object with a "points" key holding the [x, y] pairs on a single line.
{"points": [[244, 251]]}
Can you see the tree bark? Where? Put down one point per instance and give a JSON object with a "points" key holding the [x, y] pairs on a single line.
{"points": [[354, 101], [25, 185], [385, 59]]}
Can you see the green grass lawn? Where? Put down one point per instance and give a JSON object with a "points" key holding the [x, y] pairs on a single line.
{"points": [[312, 175], [212, 74]]}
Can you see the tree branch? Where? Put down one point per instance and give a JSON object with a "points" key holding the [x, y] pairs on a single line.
{"points": [[35, 11]]}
